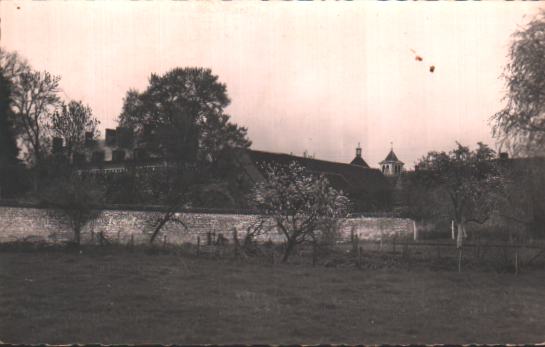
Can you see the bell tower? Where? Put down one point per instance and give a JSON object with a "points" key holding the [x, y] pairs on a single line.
{"points": [[358, 160], [391, 166]]}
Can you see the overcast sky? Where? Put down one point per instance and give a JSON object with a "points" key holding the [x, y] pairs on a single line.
{"points": [[309, 76]]}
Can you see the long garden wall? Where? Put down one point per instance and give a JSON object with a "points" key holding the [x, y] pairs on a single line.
{"points": [[30, 223]]}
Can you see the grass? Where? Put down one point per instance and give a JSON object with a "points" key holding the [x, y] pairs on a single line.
{"points": [[121, 297]]}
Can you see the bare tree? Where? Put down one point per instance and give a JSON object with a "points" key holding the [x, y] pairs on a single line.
{"points": [[34, 101], [71, 122]]}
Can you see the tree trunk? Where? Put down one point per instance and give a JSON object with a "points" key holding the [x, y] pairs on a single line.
{"points": [[290, 246], [461, 233], [159, 226], [77, 235]]}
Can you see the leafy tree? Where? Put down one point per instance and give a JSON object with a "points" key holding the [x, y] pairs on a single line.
{"points": [[523, 208], [12, 174], [470, 180], [417, 198], [8, 145], [71, 122], [12, 65], [302, 206], [520, 125], [180, 115]]}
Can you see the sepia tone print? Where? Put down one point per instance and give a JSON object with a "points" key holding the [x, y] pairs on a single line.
{"points": [[272, 173]]}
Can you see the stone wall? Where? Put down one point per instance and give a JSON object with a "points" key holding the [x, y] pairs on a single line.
{"points": [[27, 223]]}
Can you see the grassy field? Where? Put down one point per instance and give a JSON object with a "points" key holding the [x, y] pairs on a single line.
{"points": [[123, 297]]}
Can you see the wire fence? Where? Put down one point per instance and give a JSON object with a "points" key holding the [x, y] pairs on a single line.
{"points": [[386, 253]]}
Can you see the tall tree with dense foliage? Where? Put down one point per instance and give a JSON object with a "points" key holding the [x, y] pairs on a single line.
{"points": [[10, 170], [8, 144], [520, 125], [12, 65], [181, 115], [71, 122], [469, 180], [302, 205]]}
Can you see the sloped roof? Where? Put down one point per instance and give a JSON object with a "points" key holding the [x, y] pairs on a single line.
{"points": [[358, 160], [391, 157], [346, 177]]}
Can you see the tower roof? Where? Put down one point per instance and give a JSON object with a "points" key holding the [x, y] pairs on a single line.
{"points": [[391, 157], [359, 161]]}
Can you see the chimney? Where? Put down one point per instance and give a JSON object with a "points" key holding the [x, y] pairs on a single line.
{"points": [[110, 137], [125, 137]]}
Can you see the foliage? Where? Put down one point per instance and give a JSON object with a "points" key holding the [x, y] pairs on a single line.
{"points": [[180, 115], [301, 205], [12, 173], [418, 198], [12, 65], [520, 125], [71, 122], [74, 200], [523, 209], [470, 180], [8, 145]]}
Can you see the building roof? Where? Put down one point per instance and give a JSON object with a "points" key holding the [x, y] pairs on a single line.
{"points": [[391, 157], [345, 177], [358, 160]]}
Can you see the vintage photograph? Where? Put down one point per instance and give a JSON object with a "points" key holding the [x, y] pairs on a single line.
{"points": [[272, 172]]}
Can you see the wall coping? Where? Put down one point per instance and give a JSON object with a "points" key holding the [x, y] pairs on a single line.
{"points": [[162, 208]]}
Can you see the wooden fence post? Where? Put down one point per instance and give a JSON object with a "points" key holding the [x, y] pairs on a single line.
{"points": [[235, 241], [408, 257], [359, 257], [164, 242], [132, 242], [516, 260], [198, 245], [314, 253], [459, 259]]}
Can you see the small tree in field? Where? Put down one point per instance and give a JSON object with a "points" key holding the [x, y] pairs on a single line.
{"points": [[469, 181], [74, 201], [301, 205]]}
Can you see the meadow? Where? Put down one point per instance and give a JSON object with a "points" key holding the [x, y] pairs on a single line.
{"points": [[118, 296]]}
